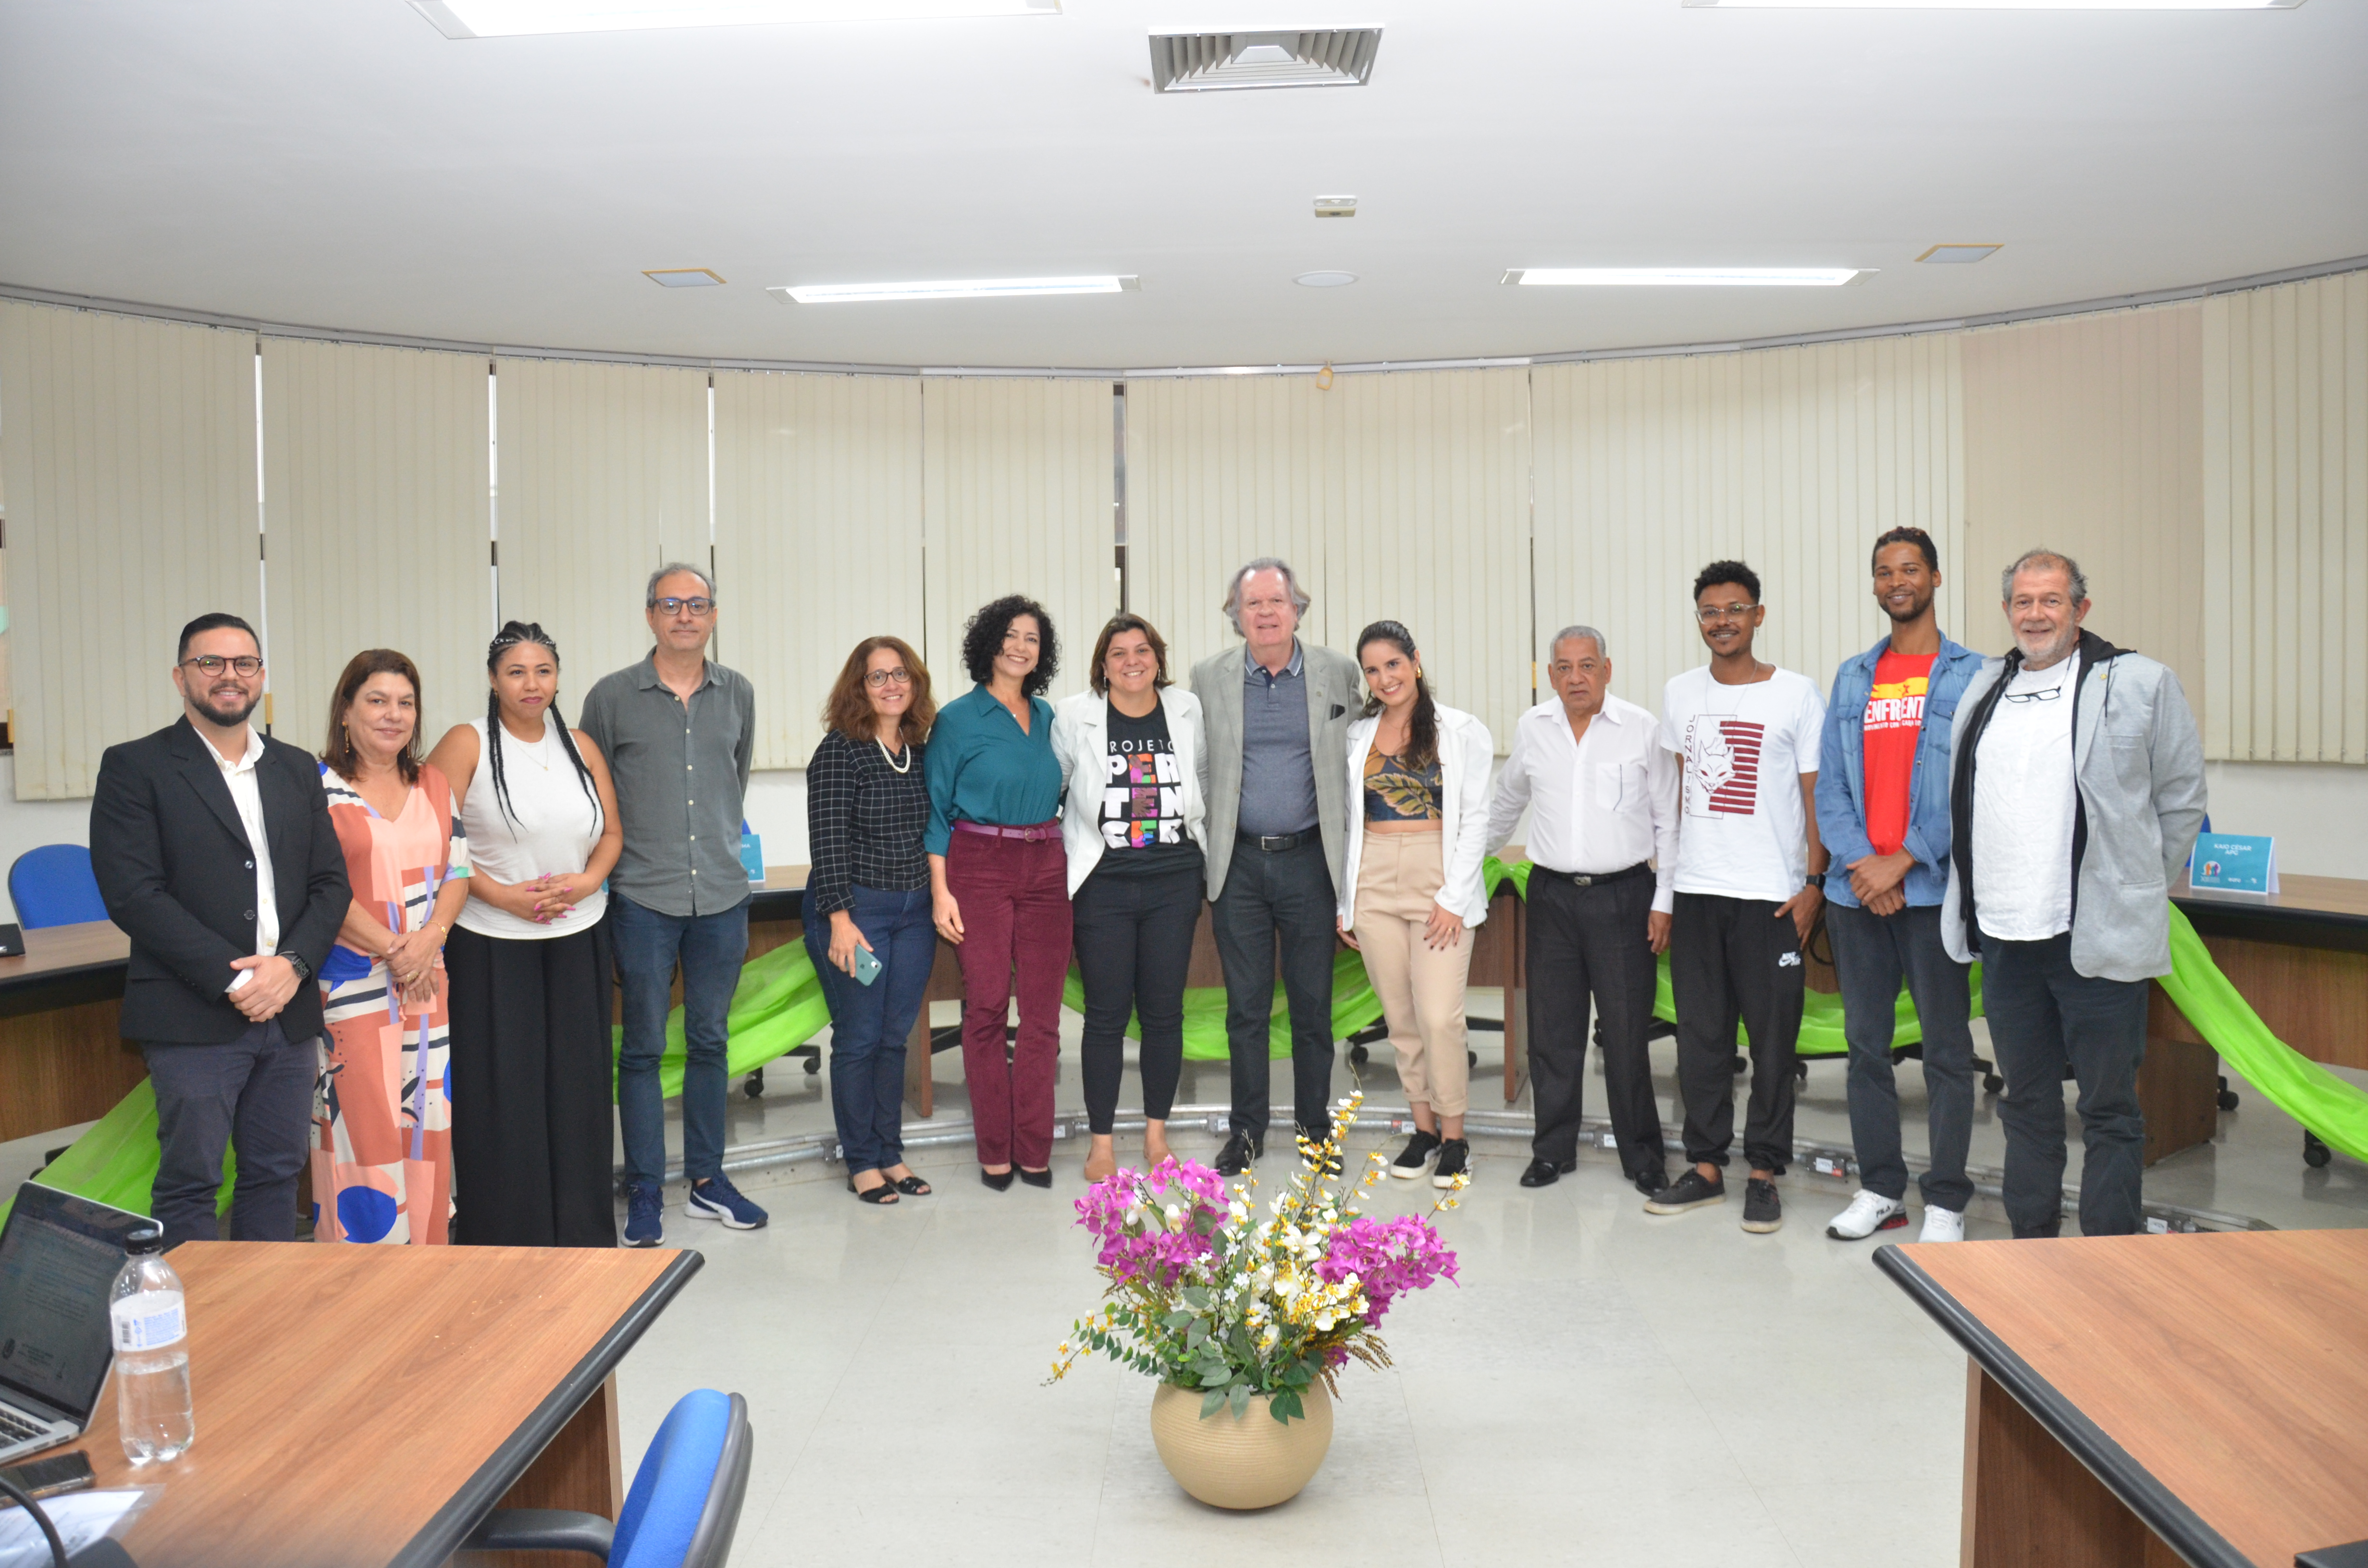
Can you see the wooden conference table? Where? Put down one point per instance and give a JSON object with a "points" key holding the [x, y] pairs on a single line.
{"points": [[360, 1406], [2141, 1400]]}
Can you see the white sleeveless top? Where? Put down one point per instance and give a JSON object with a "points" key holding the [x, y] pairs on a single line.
{"points": [[550, 828]]}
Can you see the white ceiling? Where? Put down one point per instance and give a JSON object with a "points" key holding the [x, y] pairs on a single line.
{"points": [[346, 166]]}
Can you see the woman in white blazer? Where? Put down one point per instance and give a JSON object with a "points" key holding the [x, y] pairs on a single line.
{"points": [[1413, 889], [1133, 825]]}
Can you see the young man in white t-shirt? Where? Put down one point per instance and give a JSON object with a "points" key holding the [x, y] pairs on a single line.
{"points": [[1750, 879]]}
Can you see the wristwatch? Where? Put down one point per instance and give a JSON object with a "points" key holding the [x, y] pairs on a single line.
{"points": [[1817, 880], [297, 961]]}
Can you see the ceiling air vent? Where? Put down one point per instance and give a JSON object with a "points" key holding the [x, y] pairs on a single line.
{"points": [[1208, 62]]}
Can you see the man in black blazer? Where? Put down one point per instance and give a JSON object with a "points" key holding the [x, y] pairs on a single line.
{"points": [[226, 934]]}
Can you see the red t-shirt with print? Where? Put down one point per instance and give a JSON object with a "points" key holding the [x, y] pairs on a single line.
{"points": [[1894, 719]]}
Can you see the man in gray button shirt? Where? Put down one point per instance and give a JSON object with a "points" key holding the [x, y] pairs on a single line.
{"points": [[679, 731], [1274, 771]]}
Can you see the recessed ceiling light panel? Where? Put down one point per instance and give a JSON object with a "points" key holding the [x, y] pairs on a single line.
{"points": [[1995, 4], [1684, 277], [682, 277], [1959, 255], [1336, 207], [1325, 280], [958, 288], [1208, 62], [512, 19]]}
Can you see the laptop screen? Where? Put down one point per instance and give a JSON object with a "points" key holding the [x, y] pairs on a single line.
{"points": [[58, 1257]]}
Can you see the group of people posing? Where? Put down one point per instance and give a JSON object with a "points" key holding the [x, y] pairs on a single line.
{"points": [[419, 995]]}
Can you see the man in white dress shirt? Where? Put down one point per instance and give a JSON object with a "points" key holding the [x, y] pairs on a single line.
{"points": [[1602, 794]]}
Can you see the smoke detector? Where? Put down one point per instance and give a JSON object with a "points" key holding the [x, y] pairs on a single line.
{"points": [[1208, 62]]}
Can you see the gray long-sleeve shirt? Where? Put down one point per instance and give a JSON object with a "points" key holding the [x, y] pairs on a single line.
{"points": [[680, 772]]}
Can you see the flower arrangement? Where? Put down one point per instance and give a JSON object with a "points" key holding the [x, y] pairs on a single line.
{"points": [[1207, 1294]]}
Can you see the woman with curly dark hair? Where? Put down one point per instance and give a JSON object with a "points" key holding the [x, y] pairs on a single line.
{"points": [[998, 879]]}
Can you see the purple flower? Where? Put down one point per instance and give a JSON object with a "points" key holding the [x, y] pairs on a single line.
{"points": [[1389, 1257], [1154, 1226]]}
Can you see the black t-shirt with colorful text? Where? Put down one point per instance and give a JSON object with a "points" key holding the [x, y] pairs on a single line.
{"points": [[1143, 799]]}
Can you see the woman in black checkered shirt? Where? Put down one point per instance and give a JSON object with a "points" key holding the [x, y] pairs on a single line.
{"points": [[867, 899]]}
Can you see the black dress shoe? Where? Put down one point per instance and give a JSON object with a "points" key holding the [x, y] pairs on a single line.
{"points": [[1545, 1173], [1239, 1151], [1650, 1180]]}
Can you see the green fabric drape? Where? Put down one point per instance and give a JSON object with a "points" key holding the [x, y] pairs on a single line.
{"points": [[777, 1007], [1354, 1006]]}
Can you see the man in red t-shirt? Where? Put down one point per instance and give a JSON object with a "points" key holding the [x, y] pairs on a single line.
{"points": [[1883, 810]]}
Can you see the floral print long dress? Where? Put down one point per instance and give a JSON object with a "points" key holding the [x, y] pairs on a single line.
{"points": [[381, 1112]]}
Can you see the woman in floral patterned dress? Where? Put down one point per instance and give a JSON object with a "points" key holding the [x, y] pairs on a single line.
{"points": [[382, 1123]]}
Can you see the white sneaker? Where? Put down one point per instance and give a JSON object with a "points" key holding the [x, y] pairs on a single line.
{"points": [[1868, 1213], [1942, 1225]]}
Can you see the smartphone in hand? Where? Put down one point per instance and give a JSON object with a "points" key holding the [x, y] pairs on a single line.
{"points": [[867, 968]]}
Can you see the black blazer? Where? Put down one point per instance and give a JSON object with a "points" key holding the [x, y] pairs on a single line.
{"points": [[178, 874]]}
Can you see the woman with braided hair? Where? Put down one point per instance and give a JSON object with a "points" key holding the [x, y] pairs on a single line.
{"points": [[531, 1062]]}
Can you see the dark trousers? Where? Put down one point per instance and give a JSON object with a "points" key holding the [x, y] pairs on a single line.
{"points": [[1872, 954], [1733, 958], [1134, 944], [1290, 891], [1014, 894], [254, 1094], [2044, 1015], [869, 1023], [1589, 944], [710, 949], [532, 1064]]}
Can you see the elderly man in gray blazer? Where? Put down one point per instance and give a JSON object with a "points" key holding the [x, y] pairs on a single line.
{"points": [[1274, 772]]}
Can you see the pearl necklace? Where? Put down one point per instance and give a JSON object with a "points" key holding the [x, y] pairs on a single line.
{"points": [[890, 757]]}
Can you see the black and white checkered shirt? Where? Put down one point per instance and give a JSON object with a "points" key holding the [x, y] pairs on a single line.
{"points": [[864, 822]]}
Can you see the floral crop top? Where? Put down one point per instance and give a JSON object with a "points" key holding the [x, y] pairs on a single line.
{"points": [[1397, 792]]}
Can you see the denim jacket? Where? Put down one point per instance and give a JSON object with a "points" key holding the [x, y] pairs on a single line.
{"points": [[1842, 773]]}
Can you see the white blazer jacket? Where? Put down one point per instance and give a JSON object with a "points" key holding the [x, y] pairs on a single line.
{"points": [[1465, 750], [1081, 740]]}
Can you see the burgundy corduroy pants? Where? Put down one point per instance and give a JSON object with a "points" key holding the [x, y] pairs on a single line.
{"points": [[1014, 895]]}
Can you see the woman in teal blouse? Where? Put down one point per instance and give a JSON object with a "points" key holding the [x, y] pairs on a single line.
{"points": [[999, 879]]}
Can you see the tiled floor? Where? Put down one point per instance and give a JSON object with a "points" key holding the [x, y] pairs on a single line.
{"points": [[1601, 1387]]}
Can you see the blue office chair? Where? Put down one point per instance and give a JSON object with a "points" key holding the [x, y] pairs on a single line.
{"points": [[682, 1509], [52, 886]]}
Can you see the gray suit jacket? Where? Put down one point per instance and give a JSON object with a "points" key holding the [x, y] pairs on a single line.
{"points": [[1335, 697]]}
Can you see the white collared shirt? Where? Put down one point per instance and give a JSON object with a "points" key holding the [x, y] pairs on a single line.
{"points": [[1596, 805], [247, 796]]}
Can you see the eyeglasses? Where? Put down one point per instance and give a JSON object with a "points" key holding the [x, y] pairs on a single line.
{"points": [[879, 679], [1709, 613], [211, 665], [2046, 694], [700, 608]]}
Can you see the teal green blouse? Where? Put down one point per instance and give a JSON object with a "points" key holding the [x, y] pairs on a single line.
{"points": [[982, 768]]}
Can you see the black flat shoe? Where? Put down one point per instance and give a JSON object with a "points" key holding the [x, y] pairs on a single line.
{"points": [[1545, 1173], [914, 1187], [1240, 1149], [1001, 1182], [884, 1193], [1036, 1178]]}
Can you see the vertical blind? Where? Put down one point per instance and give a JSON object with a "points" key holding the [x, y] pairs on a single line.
{"points": [[376, 520], [129, 447], [817, 535], [2085, 436], [2285, 522], [1020, 489], [602, 478], [1790, 459]]}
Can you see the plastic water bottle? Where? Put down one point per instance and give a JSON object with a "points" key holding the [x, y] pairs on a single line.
{"points": [[152, 1356]]}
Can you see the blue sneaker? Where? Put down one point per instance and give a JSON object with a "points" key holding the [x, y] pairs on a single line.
{"points": [[717, 1199], [644, 1215]]}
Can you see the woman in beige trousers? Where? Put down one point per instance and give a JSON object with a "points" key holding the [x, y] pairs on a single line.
{"points": [[1412, 889]]}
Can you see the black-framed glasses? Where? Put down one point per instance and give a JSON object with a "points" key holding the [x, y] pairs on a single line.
{"points": [[2044, 694], [212, 665], [881, 679], [699, 608], [1709, 613]]}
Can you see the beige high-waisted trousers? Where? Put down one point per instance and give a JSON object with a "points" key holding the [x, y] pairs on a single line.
{"points": [[1421, 988]]}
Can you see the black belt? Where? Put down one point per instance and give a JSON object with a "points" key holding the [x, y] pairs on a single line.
{"points": [[1596, 880], [1276, 843]]}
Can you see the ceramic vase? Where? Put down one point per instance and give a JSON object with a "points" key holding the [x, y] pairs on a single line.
{"points": [[1251, 1461]]}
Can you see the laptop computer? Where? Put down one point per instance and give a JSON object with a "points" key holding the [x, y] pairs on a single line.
{"points": [[59, 1255]]}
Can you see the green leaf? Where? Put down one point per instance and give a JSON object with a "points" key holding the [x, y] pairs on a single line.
{"points": [[1240, 1399], [1196, 1333], [1297, 1376], [1216, 1380], [1179, 1320], [1285, 1405], [1211, 1403], [1196, 1297]]}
